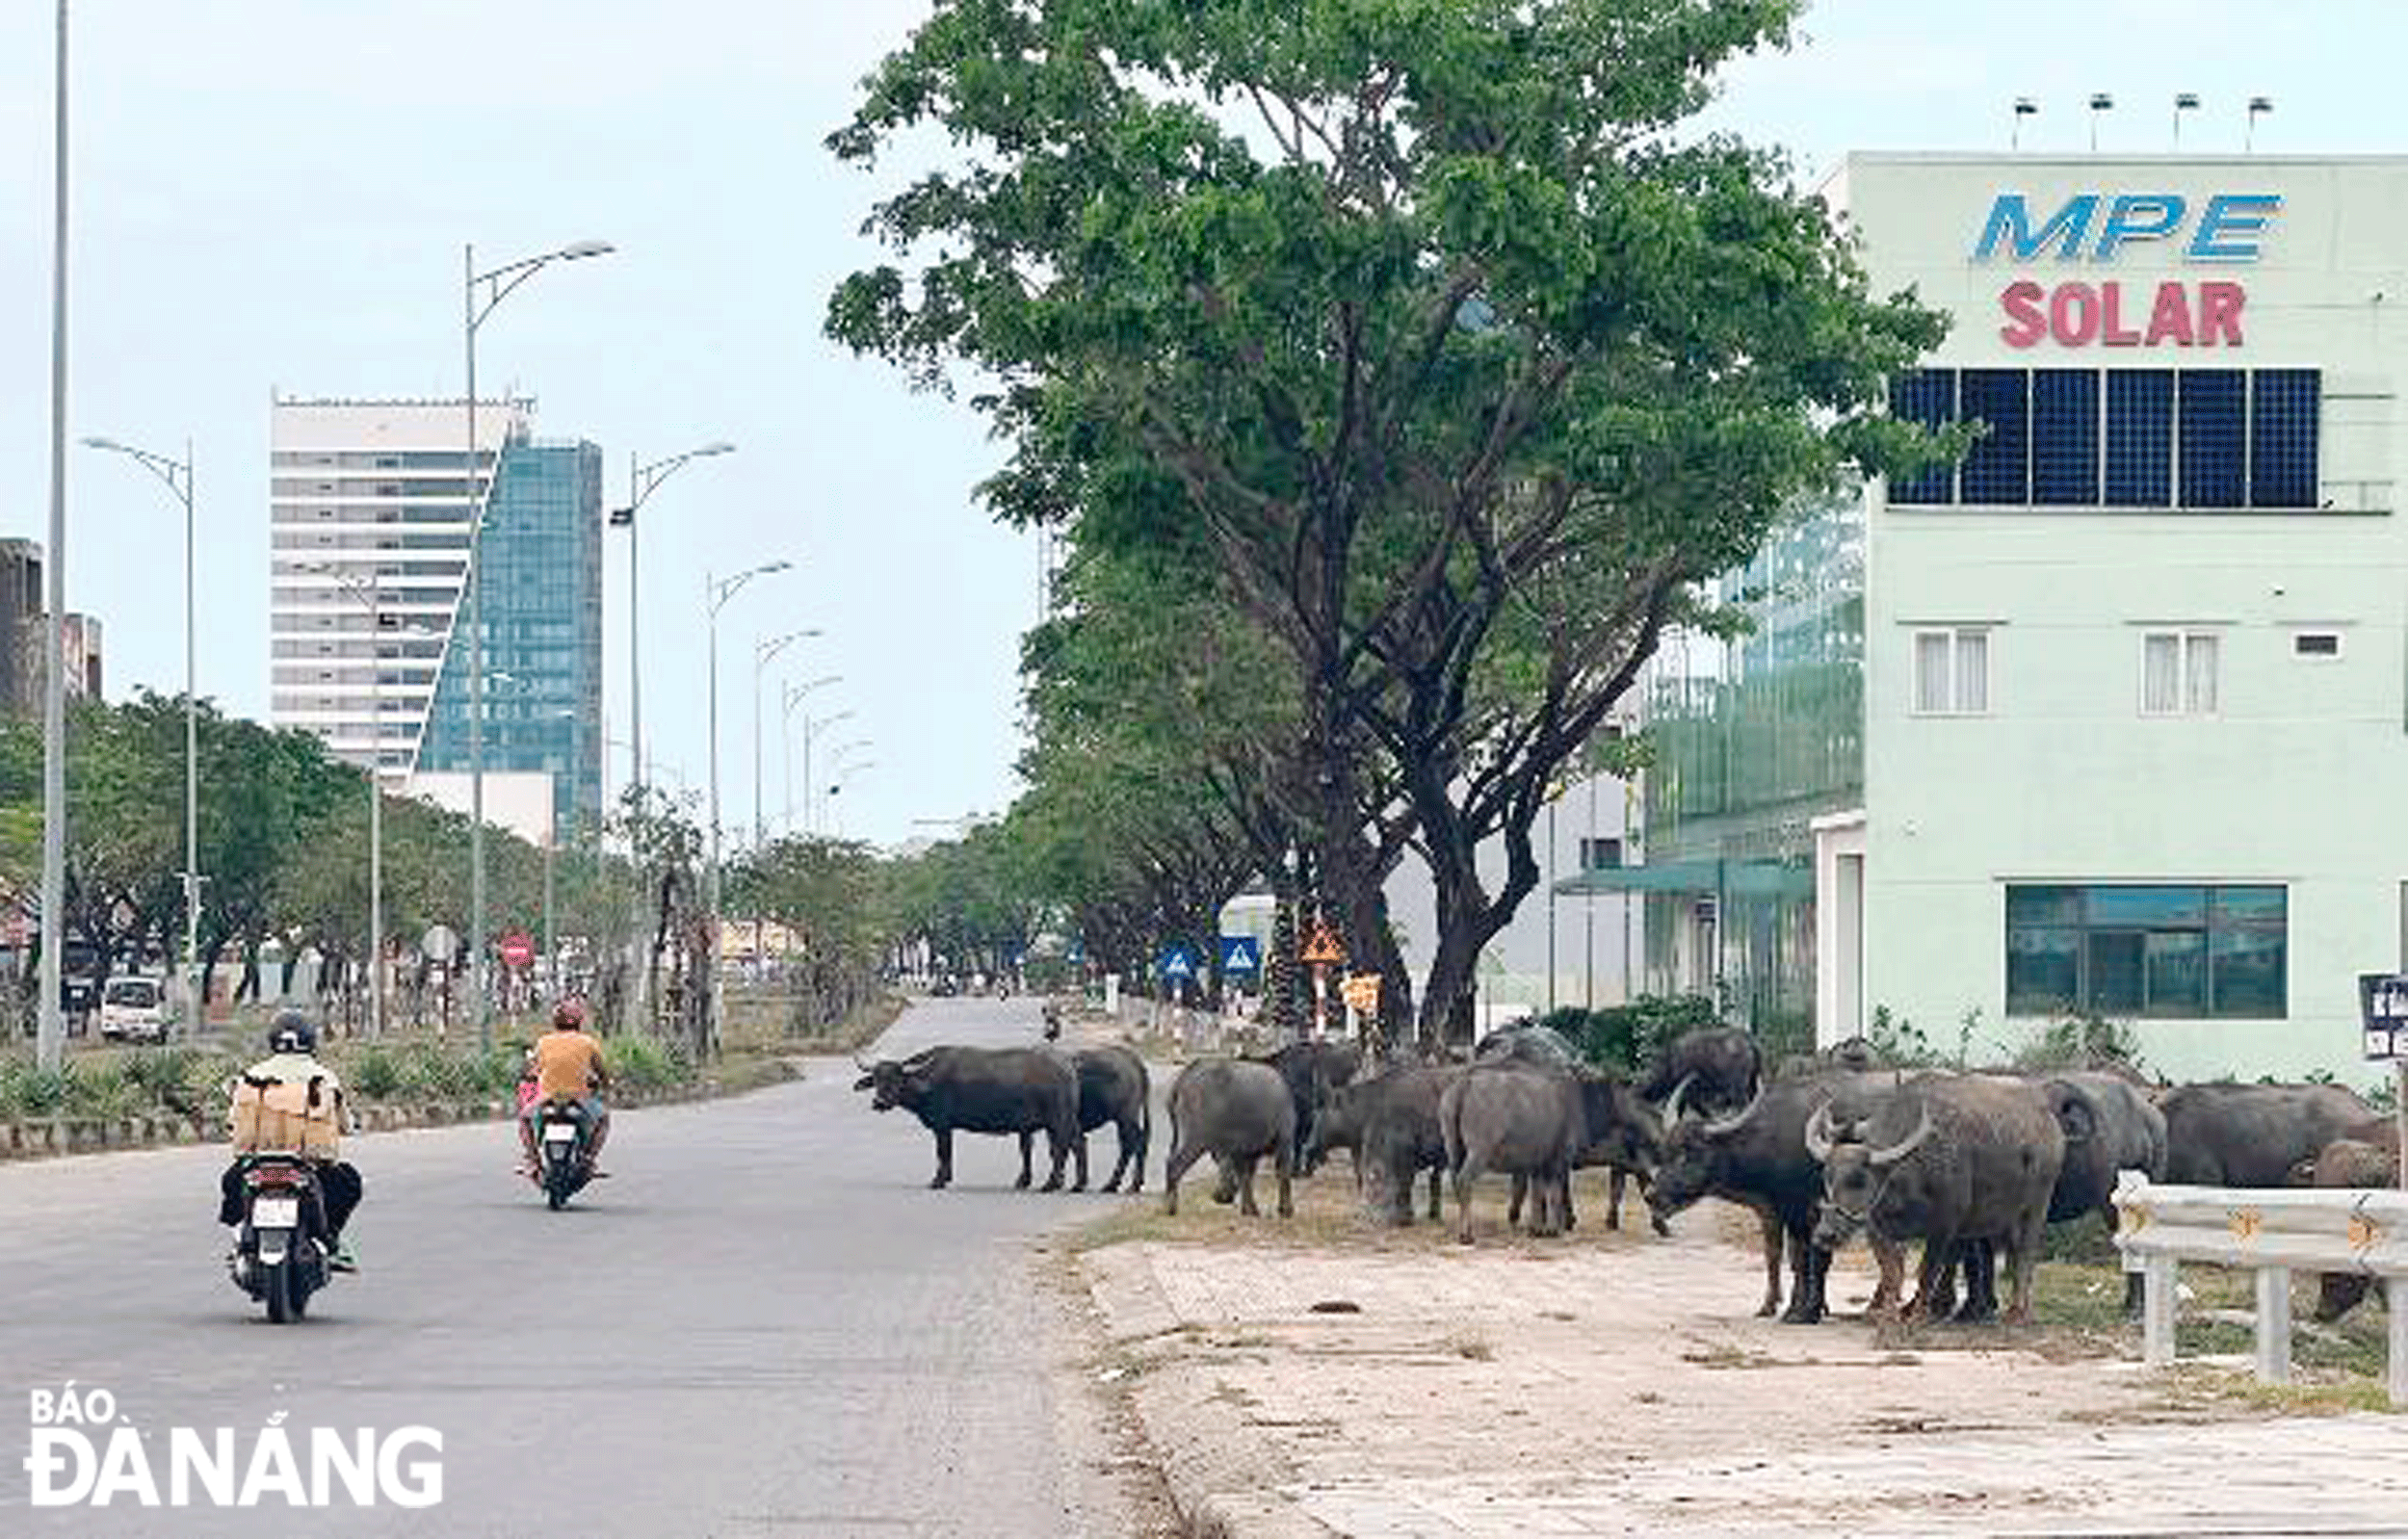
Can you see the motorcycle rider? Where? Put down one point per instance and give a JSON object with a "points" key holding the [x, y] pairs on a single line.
{"points": [[568, 1069], [289, 1103]]}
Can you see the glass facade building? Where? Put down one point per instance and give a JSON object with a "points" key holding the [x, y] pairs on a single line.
{"points": [[542, 633]]}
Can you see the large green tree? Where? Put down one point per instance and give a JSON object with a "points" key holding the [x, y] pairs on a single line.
{"points": [[1466, 357]]}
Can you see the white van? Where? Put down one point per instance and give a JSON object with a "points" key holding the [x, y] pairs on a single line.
{"points": [[133, 1009]]}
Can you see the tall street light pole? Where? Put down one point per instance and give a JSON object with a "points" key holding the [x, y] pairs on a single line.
{"points": [[51, 1046], [762, 652], [795, 695], [811, 729], [643, 481], [481, 292], [853, 772], [716, 593], [840, 767], [177, 474]]}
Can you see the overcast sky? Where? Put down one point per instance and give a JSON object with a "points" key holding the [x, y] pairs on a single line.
{"points": [[272, 194]]}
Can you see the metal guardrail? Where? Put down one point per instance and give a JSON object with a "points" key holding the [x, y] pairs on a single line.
{"points": [[2270, 1233]]}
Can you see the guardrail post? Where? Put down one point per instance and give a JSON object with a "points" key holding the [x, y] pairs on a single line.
{"points": [[2274, 1324], [2396, 1302], [2157, 1310]]}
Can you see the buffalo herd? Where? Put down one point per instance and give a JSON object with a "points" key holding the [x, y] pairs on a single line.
{"points": [[1823, 1148]]}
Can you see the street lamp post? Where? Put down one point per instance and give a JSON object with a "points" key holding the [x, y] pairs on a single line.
{"points": [[52, 1043], [480, 293], [853, 772], [840, 767], [762, 652], [810, 730], [795, 695], [177, 474], [716, 593], [643, 481]]}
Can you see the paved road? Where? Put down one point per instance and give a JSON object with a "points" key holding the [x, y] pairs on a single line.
{"points": [[762, 1324]]}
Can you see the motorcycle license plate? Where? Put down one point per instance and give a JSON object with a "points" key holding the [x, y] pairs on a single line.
{"points": [[559, 1132], [276, 1212]]}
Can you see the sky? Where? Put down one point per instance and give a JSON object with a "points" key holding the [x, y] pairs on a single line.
{"points": [[271, 195]]}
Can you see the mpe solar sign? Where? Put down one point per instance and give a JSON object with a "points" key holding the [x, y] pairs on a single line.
{"points": [[2383, 1012], [2098, 229]]}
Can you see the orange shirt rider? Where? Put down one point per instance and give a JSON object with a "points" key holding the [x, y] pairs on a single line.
{"points": [[568, 1066]]}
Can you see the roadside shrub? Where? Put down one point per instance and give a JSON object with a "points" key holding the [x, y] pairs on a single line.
{"points": [[375, 1074], [104, 1090], [30, 1091], [169, 1077], [647, 1063], [2087, 1042]]}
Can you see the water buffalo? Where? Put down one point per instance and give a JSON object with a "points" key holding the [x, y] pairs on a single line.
{"points": [[1311, 1070], [1758, 1158], [1853, 1054], [2348, 1162], [1014, 1090], [1622, 1134], [1518, 1118], [1721, 1066], [1237, 1110], [1114, 1088], [1391, 1122], [1948, 1158], [2109, 1127], [1528, 1043], [2227, 1135]]}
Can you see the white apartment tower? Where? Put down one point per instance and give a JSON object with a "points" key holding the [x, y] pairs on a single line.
{"points": [[370, 510]]}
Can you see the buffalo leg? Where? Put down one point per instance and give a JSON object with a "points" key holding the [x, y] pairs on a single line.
{"points": [[1566, 1219], [1613, 1197], [1807, 1262], [1938, 1266], [1285, 1155], [1979, 1262], [1137, 1161], [1058, 1152], [1772, 1232], [1466, 1177], [1181, 1157], [1225, 1184], [2023, 1256], [1437, 1210], [1078, 1152], [1028, 1139], [944, 1159], [1521, 1195], [1120, 1157], [1245, 1169]]}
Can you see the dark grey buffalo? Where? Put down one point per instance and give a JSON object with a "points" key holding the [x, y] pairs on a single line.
{"points": [[1623, 1133], [1391, 1122], [1311, 1070], [1950, 1160], [1521, 1119], [1114, 1087], [1758, 1158], [1238, 1112], [1528, 1043], [1719, 1064], [2251, 1134], [2347, 1163], [2111, 1127], [1004, 1091], [1853, 1054]]}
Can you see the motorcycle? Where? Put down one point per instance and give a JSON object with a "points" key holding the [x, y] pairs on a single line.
{"points": [[279, 1251], [565, 1163]]}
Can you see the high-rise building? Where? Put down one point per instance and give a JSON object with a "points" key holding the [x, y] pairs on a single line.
{"points": [[370, 507], [22, 635]]}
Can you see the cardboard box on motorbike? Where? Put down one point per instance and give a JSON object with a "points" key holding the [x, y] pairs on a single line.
{"points": [[286, 1116]]}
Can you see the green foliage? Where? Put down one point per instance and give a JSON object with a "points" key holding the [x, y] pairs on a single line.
{"points": [[648, 1063], [2085, 1042], [374, 1074], [29, 1091], [173, 1076], [1902, 1043], [1629, 1036]]}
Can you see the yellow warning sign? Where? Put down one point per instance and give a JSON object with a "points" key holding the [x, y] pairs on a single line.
{"points": [[1362, 992], [1324, 947]]}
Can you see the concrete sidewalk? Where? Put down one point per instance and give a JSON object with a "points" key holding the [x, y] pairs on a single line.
{"points": [[1625, 1387]]}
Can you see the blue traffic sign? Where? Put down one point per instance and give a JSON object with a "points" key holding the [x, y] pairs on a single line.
{"points": [[1178, 963], [1240, 953]]}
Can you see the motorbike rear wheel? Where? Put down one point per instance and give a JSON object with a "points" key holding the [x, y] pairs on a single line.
{"points": [[277, 1286]]}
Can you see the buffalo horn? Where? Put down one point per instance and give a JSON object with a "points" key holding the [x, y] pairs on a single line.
{"points": [[1819, 1134], [1680, 1095], [1899, 1150], [1737, 1120]]}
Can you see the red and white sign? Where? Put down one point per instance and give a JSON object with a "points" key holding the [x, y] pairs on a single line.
{"points": [[519, 947]]}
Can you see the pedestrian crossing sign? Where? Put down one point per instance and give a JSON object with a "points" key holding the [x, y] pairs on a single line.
{"points": [[1240, 953], [1178, 964]]}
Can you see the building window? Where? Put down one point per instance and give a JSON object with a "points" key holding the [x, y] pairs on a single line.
{"points": [[1997, 469], [2214, 437], [2178, 673], [2139, 437], [2285, 409], [2193, 952], [2065, 437], [1953, 671], [1601, 854]]}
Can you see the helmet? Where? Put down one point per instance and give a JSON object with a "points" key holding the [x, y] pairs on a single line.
{"points": [[569, 1015], [291, 1031]]}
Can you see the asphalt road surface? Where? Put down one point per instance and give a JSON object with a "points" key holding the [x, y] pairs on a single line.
{"points": [[761, 1324]]}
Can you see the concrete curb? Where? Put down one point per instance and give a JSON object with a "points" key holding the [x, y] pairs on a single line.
{"points": [[53, 1137]]}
